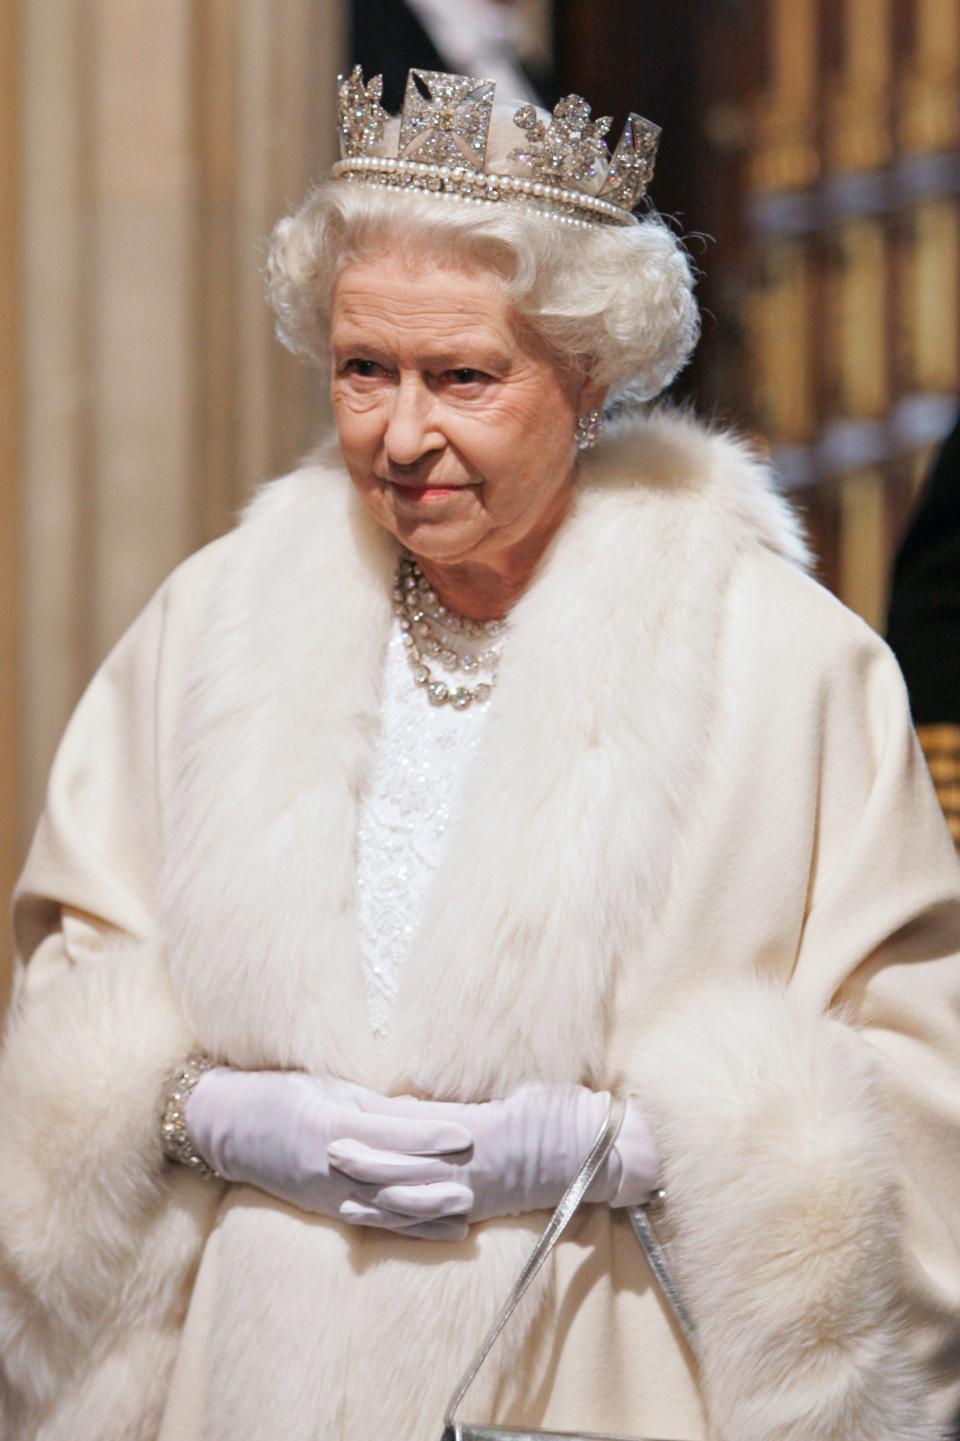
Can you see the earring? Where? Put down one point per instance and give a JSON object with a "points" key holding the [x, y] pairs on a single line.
{"points": [[588, 429]]}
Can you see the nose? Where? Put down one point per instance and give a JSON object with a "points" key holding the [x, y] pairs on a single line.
{"points": [[411, 432]]}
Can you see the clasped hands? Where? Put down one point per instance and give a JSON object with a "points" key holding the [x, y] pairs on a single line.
{"points": [[421, 1168]]}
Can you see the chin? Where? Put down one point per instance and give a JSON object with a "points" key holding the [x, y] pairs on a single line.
{"points": [[434, 542], [439, 539]]}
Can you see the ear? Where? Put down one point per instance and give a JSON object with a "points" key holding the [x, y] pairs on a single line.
{"points": [[590, 397]]}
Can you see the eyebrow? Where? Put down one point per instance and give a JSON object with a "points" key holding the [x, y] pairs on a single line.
{"points": [[479, 355], [480, 358]]}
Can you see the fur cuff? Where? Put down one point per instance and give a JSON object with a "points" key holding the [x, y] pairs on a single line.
{"points": [[782, 1202], [95, 1237]]}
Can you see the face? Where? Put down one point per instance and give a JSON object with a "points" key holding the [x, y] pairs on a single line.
{"points": [[456, 425]]}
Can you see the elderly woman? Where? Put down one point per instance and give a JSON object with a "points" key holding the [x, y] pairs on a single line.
{"points": [[480, 773]]}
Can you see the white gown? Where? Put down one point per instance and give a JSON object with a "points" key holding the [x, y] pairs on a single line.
{"points": [[422, 755]]}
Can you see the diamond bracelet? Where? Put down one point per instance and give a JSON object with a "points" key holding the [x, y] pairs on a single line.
{"points": [[173, 1117]]}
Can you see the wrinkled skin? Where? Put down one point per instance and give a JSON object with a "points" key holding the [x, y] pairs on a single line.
{"points": [[456, 423]]}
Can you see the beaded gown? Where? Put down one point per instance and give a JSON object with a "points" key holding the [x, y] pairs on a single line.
{"points": [[422, 756]]}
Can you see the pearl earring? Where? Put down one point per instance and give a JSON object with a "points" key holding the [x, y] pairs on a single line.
{"points": [[588, 429]]}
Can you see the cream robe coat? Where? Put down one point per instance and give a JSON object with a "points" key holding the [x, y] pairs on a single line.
{"points": [[698, 860]]}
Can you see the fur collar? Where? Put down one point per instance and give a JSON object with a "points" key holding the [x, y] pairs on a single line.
{"points": [[574, 814]]}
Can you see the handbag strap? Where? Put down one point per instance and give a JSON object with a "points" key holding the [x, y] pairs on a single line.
{"points": [[569, 1203], [656, 1258], [548, 1238]]}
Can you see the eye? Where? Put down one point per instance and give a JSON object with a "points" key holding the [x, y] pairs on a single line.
{"points": [[464, 375], [365, 369]]}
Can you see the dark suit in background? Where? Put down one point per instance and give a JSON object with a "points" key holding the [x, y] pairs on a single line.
{"points": [[924, 625], [387, 38], [924, 622]]}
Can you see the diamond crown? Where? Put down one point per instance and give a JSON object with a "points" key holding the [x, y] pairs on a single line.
{"points": [[561, 163]]}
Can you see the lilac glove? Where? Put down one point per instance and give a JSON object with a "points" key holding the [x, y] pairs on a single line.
{"points": [[526, 1150], [273, 1129]]}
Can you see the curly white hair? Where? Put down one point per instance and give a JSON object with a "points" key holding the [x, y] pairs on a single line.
{"points": [[614, 303]]}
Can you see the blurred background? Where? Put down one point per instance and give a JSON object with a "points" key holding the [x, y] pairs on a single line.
{"points": [[810, 155]]}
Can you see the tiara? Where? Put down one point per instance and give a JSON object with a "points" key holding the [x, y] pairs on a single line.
{"points": [[561, 164]]}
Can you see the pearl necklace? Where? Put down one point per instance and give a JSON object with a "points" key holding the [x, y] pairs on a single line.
{"points": [[431, 631]]}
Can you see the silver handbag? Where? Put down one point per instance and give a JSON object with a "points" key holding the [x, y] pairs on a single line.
{"points": [[640, 1223]]}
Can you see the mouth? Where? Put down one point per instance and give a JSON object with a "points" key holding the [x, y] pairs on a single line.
{"points": [[424, 492]]}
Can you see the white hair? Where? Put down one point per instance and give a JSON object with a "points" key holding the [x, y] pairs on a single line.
{"points": [[614, 303]]}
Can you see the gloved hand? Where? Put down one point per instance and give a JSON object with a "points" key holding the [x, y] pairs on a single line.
{"points": [[527, 1149], [272, 1129]]}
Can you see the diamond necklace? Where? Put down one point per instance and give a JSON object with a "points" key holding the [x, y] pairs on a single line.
{"points": [[433, 632]]}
